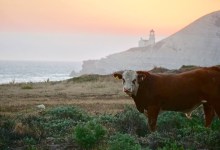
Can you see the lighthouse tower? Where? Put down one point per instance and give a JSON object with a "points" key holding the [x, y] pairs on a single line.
{"points": [[143, 43], [152, 37]]}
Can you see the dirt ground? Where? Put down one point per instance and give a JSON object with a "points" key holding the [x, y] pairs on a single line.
{"points": [[94, 93]]}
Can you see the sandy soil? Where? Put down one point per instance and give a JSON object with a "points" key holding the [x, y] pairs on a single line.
{"points": [[96, 94]]}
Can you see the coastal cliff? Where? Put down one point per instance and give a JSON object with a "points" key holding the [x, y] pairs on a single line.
{"points": [[197, 44]]}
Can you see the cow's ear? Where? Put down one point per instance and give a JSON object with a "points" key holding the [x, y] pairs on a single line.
{"points": [[118, 75], [142, 75]]}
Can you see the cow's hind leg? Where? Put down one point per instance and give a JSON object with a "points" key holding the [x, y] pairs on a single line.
{"points": [[209, 114]]}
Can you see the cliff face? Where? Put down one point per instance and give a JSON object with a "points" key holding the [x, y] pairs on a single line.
{"points": [[197, 44]]}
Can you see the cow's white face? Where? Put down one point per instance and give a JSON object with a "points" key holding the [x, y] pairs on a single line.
{"points": [[130, 81]]}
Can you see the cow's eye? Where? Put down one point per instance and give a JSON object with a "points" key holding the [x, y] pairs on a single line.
{"points": [[134, 81], [123, 81]]}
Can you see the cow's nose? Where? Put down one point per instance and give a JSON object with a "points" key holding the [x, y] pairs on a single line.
{"points": [[127, 90]]}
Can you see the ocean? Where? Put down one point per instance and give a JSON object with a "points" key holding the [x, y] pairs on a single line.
{"points": [[33, 71]]}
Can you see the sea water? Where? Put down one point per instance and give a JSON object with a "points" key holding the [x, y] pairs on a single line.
{"points": [[33, 71]]}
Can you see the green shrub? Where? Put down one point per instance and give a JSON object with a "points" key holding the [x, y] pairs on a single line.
{"points": [[200, 137], [68, 112], [216, 124], [88, 134], [25, 132], [163, 140], [27, 87], [58, 127], [131, 121], [6, 132], [85, 78], [106, 119], [35, 125], [60, 120], [188, 137], [172, 146], [171, 120], [29, 141], [123, 141], [55, 122]]}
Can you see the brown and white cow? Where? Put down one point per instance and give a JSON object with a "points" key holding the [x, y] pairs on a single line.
{"points": [[173, 92]]}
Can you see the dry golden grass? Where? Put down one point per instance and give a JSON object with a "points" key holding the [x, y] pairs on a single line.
{"points": [[94, 93]]}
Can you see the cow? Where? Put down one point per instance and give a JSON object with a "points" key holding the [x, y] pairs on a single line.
{"points": [[181, 92]]}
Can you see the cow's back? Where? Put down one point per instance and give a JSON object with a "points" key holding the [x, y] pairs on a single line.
{"points": [[185, 90], [210, 79]]}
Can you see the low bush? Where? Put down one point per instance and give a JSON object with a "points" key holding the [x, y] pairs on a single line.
{"points": [[164, 140], [55, 122], [199, 137], [33, 126], [68, 112], [60, 120], [215, 124], [27, 86], [123, 141], [6, 132], [131, 121], [58, 127], [85, 78], [168, 121], [63, 124], [172, 146], [88, 134], [29, 141], [171, 120], [106, 119]]}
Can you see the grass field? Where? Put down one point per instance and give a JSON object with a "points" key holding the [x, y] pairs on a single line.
{"points": [[96, 94], [92, 112]]}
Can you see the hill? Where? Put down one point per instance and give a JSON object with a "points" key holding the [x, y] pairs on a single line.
{"points": [[196, 44]]}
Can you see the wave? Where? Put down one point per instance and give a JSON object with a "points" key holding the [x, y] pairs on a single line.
{"points": [[28, 71]]}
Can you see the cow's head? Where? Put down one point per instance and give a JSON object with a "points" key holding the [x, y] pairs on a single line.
{"points": [[130, 80]]}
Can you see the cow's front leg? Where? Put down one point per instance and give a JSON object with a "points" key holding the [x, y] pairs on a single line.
{"points": [[152, 113]]}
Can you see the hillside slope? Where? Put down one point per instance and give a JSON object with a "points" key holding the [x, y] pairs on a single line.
{"points": [[196, 44]]}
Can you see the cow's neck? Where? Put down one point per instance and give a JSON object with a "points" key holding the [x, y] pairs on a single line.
{"points": [[143, 93]]}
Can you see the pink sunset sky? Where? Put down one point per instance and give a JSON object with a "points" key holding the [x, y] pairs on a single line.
{"points": [[76, 30]]}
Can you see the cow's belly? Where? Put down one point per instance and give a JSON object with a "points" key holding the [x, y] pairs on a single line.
{"points": [[183, 109], [182, 106]]}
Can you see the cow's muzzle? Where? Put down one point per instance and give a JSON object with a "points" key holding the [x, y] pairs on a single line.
{"points": [[127, 91]]}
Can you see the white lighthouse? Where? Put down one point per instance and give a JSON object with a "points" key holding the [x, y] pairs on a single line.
{"points": [[143, 43]]}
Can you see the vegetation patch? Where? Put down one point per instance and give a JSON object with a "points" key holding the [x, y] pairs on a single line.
{"points": [[68, 112], [27, 87], [88, 134], [7, 136], [71, 126], [123, 141], [131, 121], [90, 78], [85, 78]]}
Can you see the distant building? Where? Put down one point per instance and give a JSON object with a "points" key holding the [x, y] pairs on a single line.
{"points": [[143, 43]]}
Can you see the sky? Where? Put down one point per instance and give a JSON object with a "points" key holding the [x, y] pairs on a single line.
{"points": [[77, 30]]}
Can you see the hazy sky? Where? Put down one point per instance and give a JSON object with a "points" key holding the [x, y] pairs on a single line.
{"points": [[75, 30]]}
